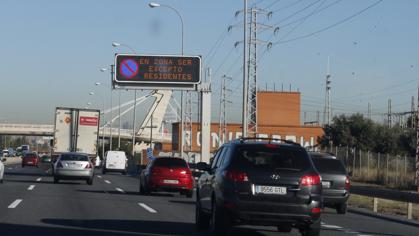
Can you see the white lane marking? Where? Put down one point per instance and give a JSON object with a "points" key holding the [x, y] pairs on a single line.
{"points": [[107, 181], [38, 179], [149, 209], [120, 190], [15, 203], [10, 168], [99, 176], [31, 187], [331, 226]]}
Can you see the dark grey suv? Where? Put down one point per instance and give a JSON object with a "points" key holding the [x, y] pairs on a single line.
{"points": [[259, 183], [335, 180]]}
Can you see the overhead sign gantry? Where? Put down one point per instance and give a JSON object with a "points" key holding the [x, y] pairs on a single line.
{"points": [[157, 71]]}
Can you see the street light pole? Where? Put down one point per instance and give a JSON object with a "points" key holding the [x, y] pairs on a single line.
{"points": [[119, 120], [103, 116], [154, 5], [133, 124]]}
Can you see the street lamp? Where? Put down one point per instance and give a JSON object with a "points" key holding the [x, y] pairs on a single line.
{"points": [[110, 124], [154, 5], [116, 44]]}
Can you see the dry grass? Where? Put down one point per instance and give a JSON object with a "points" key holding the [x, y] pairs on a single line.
{"points": [[389, 207]]}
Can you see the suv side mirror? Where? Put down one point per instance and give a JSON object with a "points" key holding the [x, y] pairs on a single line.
{"points": [[202, 166]]}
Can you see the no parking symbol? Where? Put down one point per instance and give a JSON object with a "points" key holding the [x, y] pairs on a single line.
{"points": [[128, 68]]}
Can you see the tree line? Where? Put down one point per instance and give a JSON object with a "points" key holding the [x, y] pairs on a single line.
{"points": [[359, 132]]}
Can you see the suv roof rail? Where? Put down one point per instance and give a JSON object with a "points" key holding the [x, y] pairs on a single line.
{"points": [[269, 139]]}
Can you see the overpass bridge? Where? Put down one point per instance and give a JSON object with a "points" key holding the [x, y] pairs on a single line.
{"points": [[161, 112], [48, 131]]}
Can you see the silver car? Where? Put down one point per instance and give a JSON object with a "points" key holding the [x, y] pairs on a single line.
{"points": [[73, 166]]}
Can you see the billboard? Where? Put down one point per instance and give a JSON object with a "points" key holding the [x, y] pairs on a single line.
{"points": [[157, 71]]}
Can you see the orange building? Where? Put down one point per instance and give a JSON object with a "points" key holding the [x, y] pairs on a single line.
{"points": [[278, 116]]}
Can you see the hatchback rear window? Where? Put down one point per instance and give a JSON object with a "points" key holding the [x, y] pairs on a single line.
{"points": [[73, 157], [30, 156], [272, 157], [326, 165], [170, 163]]}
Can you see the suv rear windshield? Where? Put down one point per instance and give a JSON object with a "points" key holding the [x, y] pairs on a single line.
{"points": [[73, 157], [170, 163], [326, 165], [271, 156]]}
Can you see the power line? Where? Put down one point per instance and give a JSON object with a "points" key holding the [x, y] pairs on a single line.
{"points": [[331, 26]]}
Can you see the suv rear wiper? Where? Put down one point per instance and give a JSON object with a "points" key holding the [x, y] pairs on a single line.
{"points": [[285, 168]]}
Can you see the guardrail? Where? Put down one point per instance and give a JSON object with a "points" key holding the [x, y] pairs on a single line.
{"points": [[377, 193]]}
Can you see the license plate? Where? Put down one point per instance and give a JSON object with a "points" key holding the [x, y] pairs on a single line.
{"points": [[111, 165], [170, 181], [29, 162], [270, 190], [326, 184]]}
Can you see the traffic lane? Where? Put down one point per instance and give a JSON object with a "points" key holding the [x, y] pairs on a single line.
{"points": [[16, 182], [368, 225], [85, 209], [66, 205]]}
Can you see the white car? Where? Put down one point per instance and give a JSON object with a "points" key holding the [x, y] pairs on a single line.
{"points": [[115, 161], [2, 169]]}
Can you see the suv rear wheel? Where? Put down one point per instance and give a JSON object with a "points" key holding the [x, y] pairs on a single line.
{"points": [[311, 230], [341, 208], [219, 222], [202, 220], [284, 228]]}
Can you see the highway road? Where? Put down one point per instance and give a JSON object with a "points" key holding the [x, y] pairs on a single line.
{"points": [[31, 204]]}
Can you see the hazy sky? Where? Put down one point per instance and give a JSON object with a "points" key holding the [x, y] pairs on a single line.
{"points": [[52, 51]]}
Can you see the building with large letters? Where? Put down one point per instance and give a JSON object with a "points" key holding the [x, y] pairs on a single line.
{"points": [[278, 116]]}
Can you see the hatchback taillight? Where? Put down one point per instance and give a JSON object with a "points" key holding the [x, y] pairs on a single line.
{"points": [[310, 180], [59, 165], [347, 183], [185, 172], [236, 176], [89, 166]]}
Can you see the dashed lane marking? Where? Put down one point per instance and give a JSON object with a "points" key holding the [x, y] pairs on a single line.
{"points": [[107, 181], [31, 187], [38, 179], [99, 176], [15, 203], [120, 190], [149, 209]]}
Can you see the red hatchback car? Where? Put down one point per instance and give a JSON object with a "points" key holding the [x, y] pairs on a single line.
{"points": [[168, 174], [30, 159]]}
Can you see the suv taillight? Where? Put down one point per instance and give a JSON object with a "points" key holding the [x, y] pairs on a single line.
{"points": [[89, 166], [59, 165], [310, 180], [236, 176], [347, 183]]}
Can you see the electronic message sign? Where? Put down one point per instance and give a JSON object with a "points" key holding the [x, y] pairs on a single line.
{"points": [[157, 71]]}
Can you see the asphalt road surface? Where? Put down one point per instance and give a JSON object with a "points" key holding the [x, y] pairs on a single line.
{"points": [[30, 204]]}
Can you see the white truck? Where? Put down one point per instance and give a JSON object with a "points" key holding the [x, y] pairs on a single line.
{"points": [[76, 130]]}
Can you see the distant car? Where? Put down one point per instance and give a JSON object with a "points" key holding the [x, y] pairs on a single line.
{"points": [[98, 162], [115, 161], [2, 169], [73, 166], [5, 153], [255, 182], [335, 181], [46, 159], [169, 174], [30, 159]]}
